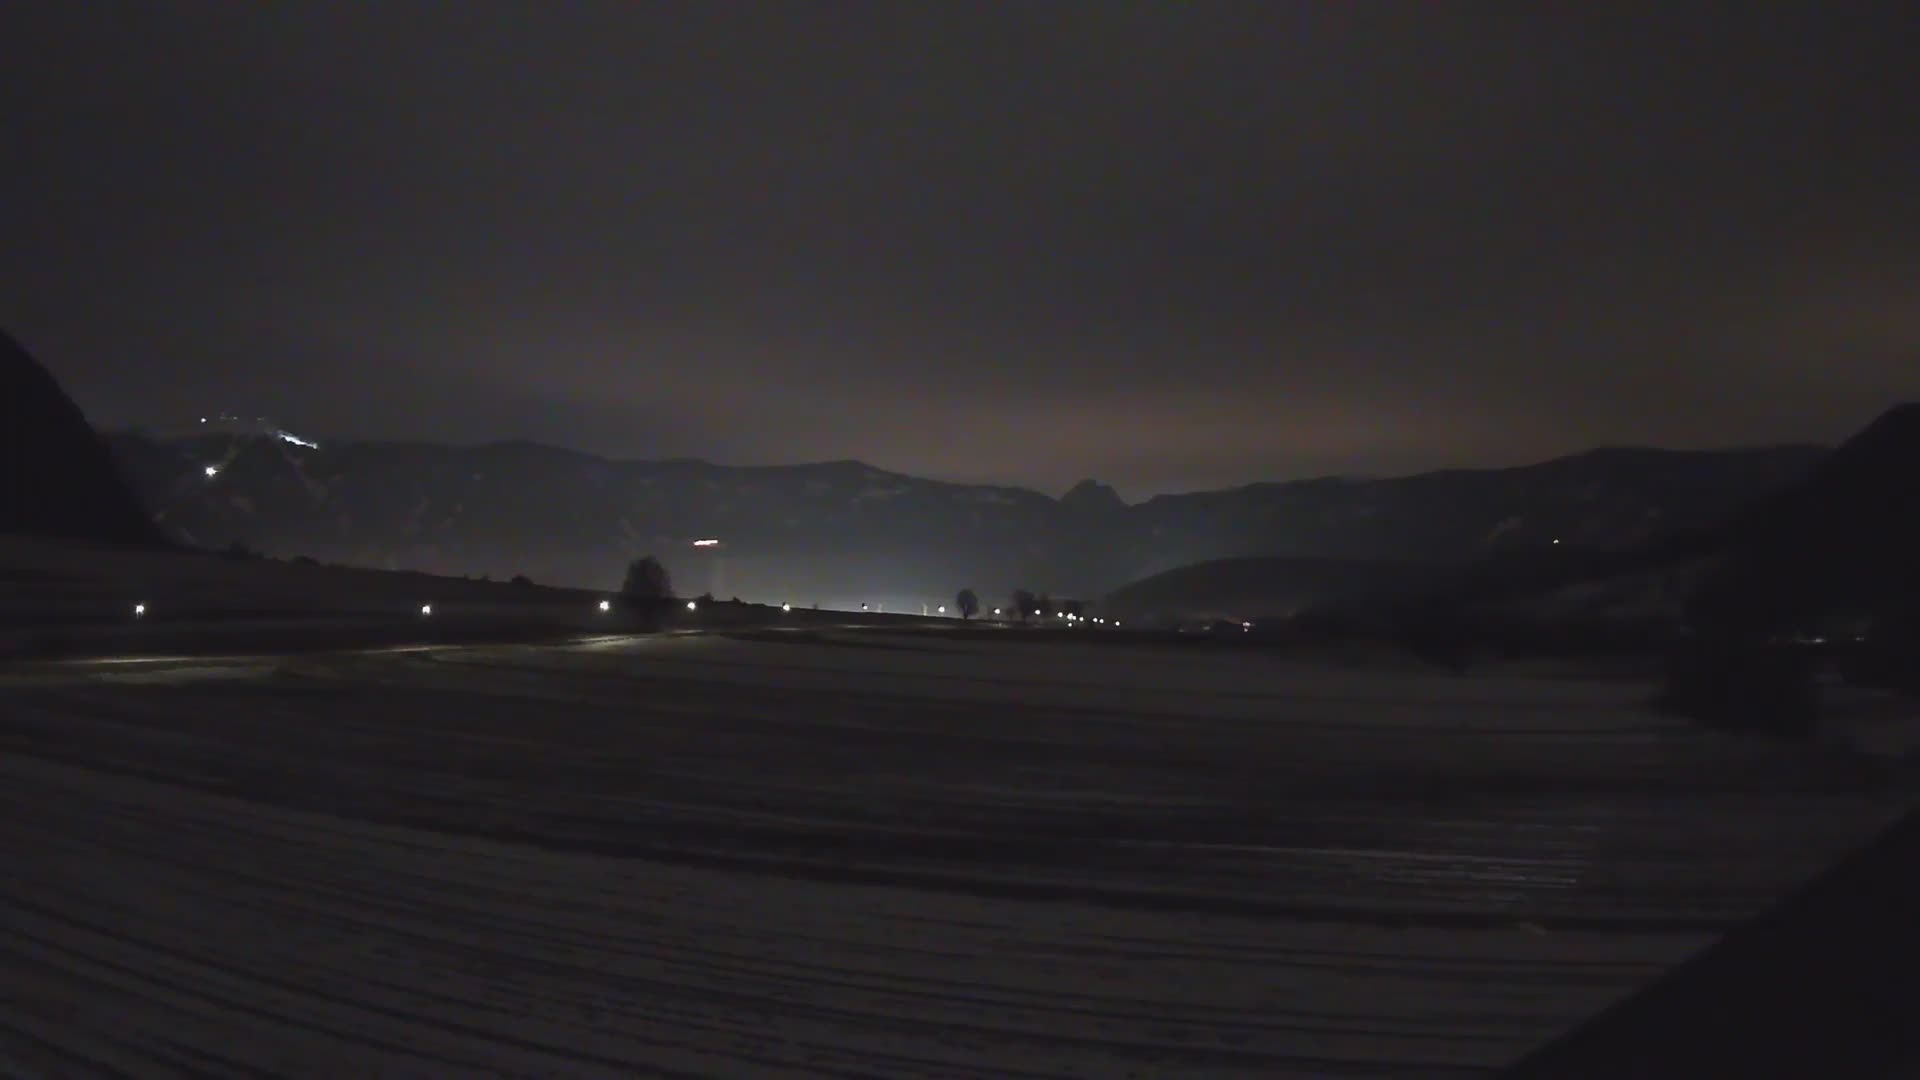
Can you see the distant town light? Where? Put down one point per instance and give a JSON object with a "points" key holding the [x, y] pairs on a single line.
{"points": [[139, 610], [692, 606], [996, 611], [942, 609], [1556, 539], [426, 610], [786, 607], [606, 605], [212, 471], [706, 542], [863, 607]]}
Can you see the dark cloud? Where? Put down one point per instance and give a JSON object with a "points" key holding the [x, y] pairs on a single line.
{"points": [[1168, 245]]}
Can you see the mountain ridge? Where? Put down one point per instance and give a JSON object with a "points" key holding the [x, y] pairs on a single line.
{"points": [[848, 531]]}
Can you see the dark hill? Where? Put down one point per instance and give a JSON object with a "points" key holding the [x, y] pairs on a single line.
{"points": [[1846, 540], [57, 477], [1256, 588]]}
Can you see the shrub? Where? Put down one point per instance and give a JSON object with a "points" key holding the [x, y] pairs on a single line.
{"points": [[646, 581], [1024, 604]]}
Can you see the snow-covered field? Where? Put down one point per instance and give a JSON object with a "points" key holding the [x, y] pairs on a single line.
{"points": [[857, 854]]}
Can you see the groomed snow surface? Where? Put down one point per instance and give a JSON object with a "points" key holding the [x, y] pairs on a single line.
{"points": [[861, 854]]}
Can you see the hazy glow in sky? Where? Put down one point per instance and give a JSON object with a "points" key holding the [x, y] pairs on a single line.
{"points": [[1166, 245]]}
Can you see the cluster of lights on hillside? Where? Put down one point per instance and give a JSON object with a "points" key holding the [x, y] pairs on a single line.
{"points": [[259, 423]]}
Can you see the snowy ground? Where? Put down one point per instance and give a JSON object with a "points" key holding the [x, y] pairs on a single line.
{"points": [[860, 855]]}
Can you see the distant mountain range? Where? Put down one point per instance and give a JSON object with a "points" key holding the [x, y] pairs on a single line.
{"points": [[843, 533]]}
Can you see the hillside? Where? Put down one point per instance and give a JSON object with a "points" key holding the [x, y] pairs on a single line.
{"points": [[1256, 588], [57, 478], [1844, 541], [844, 533]]}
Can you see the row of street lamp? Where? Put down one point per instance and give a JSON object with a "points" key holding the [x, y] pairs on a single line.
{"points": [[605, 606], [426, 610]]}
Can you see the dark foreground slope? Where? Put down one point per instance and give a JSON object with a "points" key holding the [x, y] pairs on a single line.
{"points": [[57, 478], [1825, 984]]}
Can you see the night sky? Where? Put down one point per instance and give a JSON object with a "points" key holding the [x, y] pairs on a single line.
{"points": [[1168, 245]]}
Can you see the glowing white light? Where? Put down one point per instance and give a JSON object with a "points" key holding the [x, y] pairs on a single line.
{"points": [[425, 610], [692, 606], [297, 440], [996, 611], [709, 542], [1556, 539], [203, 419], [863, 607], [212, 471], [1116, 622], [786, 607], [606, 605], [943, 609], [139, 610]]}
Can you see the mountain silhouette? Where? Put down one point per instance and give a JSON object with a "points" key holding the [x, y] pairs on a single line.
{"points": [[1844, 541], [57, 478], [1092, 497], [847, 532]]}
